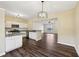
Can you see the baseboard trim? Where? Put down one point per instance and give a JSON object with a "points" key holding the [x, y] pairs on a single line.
{"points": [[77, 50], [66, 44], [1, 54], [73, 46]]}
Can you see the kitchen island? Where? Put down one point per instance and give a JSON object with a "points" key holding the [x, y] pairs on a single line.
{"points": [[34, 34]]}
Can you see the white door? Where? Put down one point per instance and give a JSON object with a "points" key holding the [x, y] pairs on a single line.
{"points": [[48, 28]]}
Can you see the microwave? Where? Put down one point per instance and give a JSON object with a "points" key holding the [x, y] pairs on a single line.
{"points": [[15, 26]]}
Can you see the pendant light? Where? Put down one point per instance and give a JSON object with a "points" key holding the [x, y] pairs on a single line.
{"points": [[42, 14]]}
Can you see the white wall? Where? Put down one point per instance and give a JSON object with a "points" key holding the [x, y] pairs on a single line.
{"points": [[2, 31]]}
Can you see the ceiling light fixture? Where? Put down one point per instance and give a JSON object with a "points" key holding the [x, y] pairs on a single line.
{"points": [[42, 14]]}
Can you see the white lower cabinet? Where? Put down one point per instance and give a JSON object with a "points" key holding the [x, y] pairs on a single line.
{"points": [[35, 35], [13, 42], [10, 44], [18, 41]]}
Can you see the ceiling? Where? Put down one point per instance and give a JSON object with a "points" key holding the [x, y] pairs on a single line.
{"points": [[29, 9]]}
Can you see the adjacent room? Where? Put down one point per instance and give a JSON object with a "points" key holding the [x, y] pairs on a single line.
{"points": [[39, 28]]}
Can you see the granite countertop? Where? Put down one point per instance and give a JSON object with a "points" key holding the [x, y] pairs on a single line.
{"points": [[51, 33], [33, 30], [14, 34]]}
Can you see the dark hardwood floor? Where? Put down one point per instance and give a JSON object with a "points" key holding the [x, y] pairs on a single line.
{"points": [[42, 48]]}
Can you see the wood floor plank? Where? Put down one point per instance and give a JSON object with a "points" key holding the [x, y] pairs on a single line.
{"points": [[37, 52], [53, 53], [15, 53], [23, 52]]}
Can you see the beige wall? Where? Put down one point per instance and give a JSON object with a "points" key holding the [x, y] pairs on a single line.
{"points": [[77, 21], [2, 31], [30, 23], [14, 19], [66, 27], [77, 28], [65, 22]]}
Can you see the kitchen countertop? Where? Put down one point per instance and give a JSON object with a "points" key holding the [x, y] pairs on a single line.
{"points": [[50, 33], [31, 30], [14, 34]]}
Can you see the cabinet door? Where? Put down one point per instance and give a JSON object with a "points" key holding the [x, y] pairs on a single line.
{"points": [[10, 44], [18, 41], [33, 35]]}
